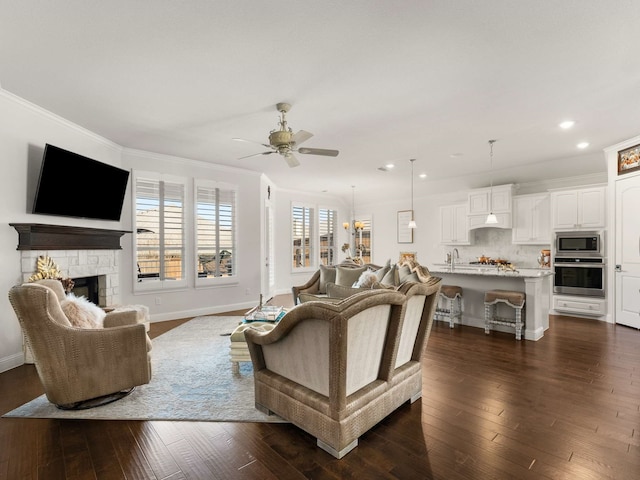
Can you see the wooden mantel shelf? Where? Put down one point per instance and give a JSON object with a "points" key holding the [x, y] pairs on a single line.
{"points": [[37, 236]]}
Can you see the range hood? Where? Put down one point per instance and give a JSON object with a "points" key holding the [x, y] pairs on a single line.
{"points": [[478, 221]]}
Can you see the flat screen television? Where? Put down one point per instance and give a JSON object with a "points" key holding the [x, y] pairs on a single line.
{"points": [[71, 185]]}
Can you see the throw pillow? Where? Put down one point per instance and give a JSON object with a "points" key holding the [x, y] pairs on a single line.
{"points": [[381, 272], [347, 276], [391, 277], [412, 277], [81, 312], [366, 279], [327, 274], [403, 272]]}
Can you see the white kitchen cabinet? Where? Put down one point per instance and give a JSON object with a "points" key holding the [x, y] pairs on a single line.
{"points": [[579, 305], [578, 209], [531, 219], [479, 203], [483, 201], [454, 225]]}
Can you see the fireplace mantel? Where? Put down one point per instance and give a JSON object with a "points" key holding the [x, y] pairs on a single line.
{"points": [[37, 236]]}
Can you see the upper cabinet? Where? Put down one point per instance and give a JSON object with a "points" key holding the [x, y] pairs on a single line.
{"points": [[578, 209], [531, 219], [483, 201], [454, 225]]}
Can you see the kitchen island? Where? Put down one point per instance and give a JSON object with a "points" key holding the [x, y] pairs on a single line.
{"points": [[475, 280]]}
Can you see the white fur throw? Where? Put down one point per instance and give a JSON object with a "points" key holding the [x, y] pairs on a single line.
{"points": [[81, 312], [367, 279]]}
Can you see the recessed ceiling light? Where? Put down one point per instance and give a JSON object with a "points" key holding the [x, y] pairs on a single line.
{"points": [[423, 175], [389, 165], [583, 145], [567, 124]]}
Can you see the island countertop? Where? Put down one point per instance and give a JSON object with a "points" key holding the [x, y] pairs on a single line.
{"points": [[475, 280], [489, 270]]}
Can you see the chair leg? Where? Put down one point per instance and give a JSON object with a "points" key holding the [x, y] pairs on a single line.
{"points": [[518, 323], [488, 315], [451, 313], [337, 453]]}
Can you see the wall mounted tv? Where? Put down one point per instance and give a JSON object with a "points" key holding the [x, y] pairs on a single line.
{"points": [[71, 185]]}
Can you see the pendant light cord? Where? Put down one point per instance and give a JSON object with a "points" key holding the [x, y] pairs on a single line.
{"points": [[491, 142]]}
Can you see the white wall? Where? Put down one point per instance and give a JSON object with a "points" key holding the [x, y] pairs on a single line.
{"points": [[181, 303], [283, 198], [24, 131]]}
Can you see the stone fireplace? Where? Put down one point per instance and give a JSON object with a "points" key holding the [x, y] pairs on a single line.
{"points": [[79, 265], [79, 252]]}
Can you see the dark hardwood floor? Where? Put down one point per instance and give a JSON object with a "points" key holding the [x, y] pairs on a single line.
{"points": [[565, 407]]}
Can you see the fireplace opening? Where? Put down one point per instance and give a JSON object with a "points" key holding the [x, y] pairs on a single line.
{"points": [[87, 287]]}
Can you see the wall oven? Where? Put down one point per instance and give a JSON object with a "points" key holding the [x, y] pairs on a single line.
{"points": [[579, 276]]}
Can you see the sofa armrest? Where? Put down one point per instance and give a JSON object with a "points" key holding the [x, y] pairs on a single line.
{"points": [[312, 286]]}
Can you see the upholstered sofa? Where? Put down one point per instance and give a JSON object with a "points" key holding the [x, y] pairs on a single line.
{"points": [[337, 369], [343, 275], [332, 283]]}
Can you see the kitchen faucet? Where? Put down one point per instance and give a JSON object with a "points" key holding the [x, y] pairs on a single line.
{"points": [[454, 254]]}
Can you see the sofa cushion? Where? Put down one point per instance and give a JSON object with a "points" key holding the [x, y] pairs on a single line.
{"points": [[327, 274], [347, 276], [310, 297]]}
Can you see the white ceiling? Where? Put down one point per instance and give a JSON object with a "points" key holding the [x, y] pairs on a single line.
{"points": [[381, 81]]}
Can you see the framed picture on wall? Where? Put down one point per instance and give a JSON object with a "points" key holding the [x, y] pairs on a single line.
{"points": [[408, 257], [405, 234], [629, 160]]}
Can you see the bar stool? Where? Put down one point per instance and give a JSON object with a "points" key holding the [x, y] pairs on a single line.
{"points": [[513, 299], [450, 305]]}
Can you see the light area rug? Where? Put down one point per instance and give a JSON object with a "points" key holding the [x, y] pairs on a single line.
{"points": [[191, 380]]}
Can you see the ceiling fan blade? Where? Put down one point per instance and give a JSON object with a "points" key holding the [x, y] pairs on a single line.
{"points": [[257, 154], [319, 151], [251, 141], [301, 136], [291, 159]]}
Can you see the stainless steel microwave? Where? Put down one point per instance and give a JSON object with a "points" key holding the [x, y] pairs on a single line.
{"points": [[574, 244]]}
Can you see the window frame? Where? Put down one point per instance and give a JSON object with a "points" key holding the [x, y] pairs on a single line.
{"points": [[334, 247], [312, 226], [161, 284], [218, 280]]}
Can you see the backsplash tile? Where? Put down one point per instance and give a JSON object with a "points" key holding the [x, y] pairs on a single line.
{"points": [[496, 243]]}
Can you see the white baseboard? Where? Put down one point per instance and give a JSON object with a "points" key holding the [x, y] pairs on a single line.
{"points": [[12, 361]]}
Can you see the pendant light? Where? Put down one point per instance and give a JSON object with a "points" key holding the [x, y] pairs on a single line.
{"points": [[412, 222], [491, 218]]}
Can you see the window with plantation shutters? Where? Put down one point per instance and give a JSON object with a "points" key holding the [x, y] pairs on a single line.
{"points": [[215, 230], [302, 236], [363, 239], [160, 238], [327, 232]]}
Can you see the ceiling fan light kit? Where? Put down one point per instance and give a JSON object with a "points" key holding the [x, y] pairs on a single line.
{"points": [[284, 141]]}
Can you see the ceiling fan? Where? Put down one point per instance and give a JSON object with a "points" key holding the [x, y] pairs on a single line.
{"points": [[285, 142]]}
